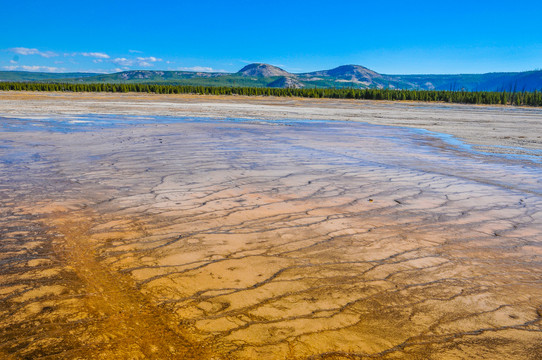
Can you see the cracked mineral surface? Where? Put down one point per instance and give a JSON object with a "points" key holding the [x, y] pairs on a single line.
{"points": [[129, 237]]}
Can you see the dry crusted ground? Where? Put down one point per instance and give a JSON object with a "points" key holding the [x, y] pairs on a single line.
{"points": [[221, 240], [489, 127]]}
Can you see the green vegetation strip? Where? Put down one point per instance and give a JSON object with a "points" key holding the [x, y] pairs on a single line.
{"points": [[461, 97]]}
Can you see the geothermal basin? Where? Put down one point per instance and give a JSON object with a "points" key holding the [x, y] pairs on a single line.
{"points": [[171, 237]]}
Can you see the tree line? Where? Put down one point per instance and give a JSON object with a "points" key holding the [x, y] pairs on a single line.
{"points": [[463, 97]]}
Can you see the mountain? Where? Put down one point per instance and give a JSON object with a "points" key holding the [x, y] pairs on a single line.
{"points": [[147, 76], [167, 78], [519, 81], [265, 75], [262, 70], [288, 82], [38, 76], [346, 73], [349, 76]]}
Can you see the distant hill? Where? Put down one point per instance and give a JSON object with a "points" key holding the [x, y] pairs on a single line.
{"points": [[265, 75], [347, 73], [520, 81], [286, 82], [262, 70], [145, 76], [38, 76]]}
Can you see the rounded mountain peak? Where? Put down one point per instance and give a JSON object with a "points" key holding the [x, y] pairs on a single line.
{"points": [[262, 70], [351, 70]]}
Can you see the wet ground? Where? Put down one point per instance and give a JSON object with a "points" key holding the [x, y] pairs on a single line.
{"points": [[177, 238]]}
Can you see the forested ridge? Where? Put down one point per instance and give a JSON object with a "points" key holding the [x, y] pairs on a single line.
{"points": [[523, 98]]}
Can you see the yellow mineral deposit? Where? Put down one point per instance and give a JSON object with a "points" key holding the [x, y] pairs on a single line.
{"points": [[203, 239]]}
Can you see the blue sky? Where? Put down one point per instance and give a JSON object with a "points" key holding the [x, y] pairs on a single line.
{"points": [[392, 37]]}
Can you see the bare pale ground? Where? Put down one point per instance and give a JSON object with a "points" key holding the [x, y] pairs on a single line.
{"points": [[264, 240], [496, 129]]}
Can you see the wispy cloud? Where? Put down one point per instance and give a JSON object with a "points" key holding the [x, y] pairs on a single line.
{"points": [[123, 61], [149, 59], [34, 68], [262, 62], [200, 69], [98, 71], [135, 51], [98, 55], [32, 51], [139, 61], [252, 62]]}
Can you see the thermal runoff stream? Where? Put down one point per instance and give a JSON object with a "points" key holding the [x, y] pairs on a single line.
{"points": [[125, 237]]}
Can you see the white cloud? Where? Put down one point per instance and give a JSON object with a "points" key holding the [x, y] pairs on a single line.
{"points": [[24, 51], [250, 61], [48, 54], [97, 61], [135, 51], [123, 61], [139, 61], [33, 51], [13, 62], [200, 69], [97, 55], [149, 59], [98, 71], [34, 68]]}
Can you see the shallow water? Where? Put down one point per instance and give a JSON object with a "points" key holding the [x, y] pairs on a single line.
{"points": [[162, 237]]}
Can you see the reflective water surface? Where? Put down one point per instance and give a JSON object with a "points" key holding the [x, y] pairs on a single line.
{"points": [[178, 238]]}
